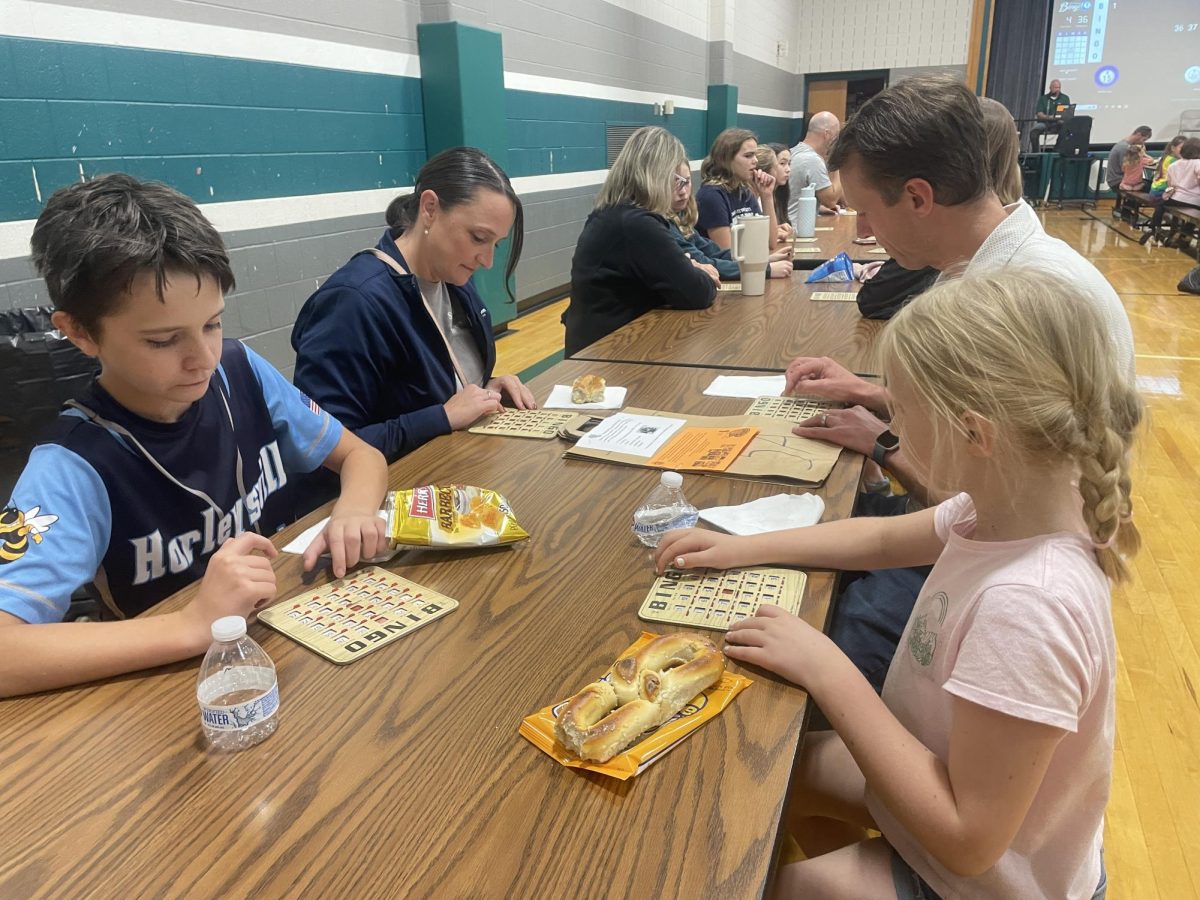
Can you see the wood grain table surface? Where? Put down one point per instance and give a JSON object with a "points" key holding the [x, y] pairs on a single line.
{"points": [[836, 235], [403, 774], [739, 332]]}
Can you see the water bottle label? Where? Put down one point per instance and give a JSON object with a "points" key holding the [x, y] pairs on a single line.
{"points": [[686, 520], [236, 716]]}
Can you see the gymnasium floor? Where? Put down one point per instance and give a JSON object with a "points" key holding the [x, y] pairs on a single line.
{"points": [[1152, 843]]}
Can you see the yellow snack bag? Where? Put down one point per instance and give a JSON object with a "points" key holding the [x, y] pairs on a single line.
{"points": [[538, 728], [451, 515]]}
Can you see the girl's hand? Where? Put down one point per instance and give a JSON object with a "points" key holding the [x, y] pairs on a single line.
{"points": [[521, 396], [762, 183], [696, 548], [785, 231], [780, 642], [780, 268]]}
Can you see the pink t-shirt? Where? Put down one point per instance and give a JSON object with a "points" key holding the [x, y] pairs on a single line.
{"points": [[1024, 628]]}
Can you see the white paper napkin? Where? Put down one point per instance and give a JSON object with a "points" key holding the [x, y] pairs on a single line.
{"points": [[301, 541], [560, 398], [749, 386], [774, 513]]}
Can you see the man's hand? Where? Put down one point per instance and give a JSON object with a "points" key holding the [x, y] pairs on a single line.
{"points": [[855, 429], [824, 379]]}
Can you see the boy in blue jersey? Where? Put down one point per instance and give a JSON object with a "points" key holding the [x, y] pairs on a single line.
{"points": [[173, 465]]}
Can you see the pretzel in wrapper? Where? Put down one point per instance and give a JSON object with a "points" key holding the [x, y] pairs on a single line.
{"points": [[451, 515], [546, 728]]}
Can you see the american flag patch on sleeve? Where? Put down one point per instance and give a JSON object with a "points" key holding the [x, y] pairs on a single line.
{"points": [[312, 404]]}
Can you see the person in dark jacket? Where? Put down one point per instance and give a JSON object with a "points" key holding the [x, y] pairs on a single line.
{"points": [[626, 262], [699, 248], [398, 343]]}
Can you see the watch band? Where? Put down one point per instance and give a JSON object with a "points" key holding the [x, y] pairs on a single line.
{"points": [[884, 444]]}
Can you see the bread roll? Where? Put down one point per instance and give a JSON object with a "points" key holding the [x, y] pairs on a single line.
{"points": [[640, 692], [588, 389]]}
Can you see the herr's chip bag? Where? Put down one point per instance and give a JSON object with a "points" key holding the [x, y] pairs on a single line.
{"points": [[451, 515]]}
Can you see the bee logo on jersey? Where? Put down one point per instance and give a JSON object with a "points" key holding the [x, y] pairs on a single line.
{"points": [[16, 527]]}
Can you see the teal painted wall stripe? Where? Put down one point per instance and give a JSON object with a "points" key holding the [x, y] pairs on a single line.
{"points": [[772, 129], [554, 133], [216, 128]]}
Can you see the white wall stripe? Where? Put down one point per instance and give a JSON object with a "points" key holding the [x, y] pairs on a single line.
{"points": [[542, 84], [764, 111], [51, 22], [239, 215]]}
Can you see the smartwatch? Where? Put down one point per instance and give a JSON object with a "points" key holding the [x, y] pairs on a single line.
{"points": [[884, 444]]}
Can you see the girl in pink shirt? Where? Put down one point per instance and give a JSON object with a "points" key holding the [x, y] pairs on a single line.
{"points": [[986, 761]]}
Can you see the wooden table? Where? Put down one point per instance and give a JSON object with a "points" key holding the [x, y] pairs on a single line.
{"points": [[738, 332], [838, 240], [403, 775]]}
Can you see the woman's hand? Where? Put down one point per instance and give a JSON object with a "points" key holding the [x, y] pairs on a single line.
{"points": [[708, 270], [471, 404], [510, 385]]}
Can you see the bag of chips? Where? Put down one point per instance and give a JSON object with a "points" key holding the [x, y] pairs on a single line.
{"points": [[451, 515]]}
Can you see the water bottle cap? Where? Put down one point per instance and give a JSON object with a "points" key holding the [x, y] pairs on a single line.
{"points": [[672, 479], [229, 628]]}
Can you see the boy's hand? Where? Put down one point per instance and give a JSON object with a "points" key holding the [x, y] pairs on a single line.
{"points": [[349, 537], [521, 396], [238, 580], [697, 548], [780, 642]]}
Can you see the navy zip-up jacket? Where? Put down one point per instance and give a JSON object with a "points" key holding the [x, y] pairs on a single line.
{"points": [[370, 354], [702, 250]]}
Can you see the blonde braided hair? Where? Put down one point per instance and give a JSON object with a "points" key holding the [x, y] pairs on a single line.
{"points": [[1029, 353]]}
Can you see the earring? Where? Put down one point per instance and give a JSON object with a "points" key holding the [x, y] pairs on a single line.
{"points": [[427, 232]]}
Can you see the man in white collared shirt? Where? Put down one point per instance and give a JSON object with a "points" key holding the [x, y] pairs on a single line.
{"points": [[913, 162]]}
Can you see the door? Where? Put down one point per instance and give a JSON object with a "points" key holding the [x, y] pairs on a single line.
{"points": [[827, 96]]}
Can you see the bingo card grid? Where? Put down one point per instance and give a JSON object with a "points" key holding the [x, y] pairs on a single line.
{"points": [[1070, 48], [796, 409], [346, 619], [708, 598], [528, 423]]}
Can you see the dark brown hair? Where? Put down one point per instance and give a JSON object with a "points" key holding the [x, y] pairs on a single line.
{"points": [[1190, 149], [95, 237], [928, 127], [456, 175]]}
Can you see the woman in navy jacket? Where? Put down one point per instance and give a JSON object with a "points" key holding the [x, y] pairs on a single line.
{"points": [[397, 343]]}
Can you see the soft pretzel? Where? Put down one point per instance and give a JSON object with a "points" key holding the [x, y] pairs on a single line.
{"points": [[639, 692]]}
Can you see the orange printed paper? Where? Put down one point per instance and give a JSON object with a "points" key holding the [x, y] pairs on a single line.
{"points": [[704, 449]]}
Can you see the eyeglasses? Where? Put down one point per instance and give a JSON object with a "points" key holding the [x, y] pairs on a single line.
{"points": [[680, 182]]}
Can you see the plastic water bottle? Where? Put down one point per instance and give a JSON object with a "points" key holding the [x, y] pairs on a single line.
{"points": [[665, 509], [806, 212], [237, 689]]}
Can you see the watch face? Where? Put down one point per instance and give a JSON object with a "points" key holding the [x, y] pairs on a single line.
{"points": [[888, 441]]}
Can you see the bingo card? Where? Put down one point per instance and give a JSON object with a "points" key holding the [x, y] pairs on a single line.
{"points": [[727, 286], [795, 409], [348, 618], [711, 598], [843, 296], [527, 423]]}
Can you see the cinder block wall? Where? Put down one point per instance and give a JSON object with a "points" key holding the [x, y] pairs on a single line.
{"points": [[293, 124]]}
